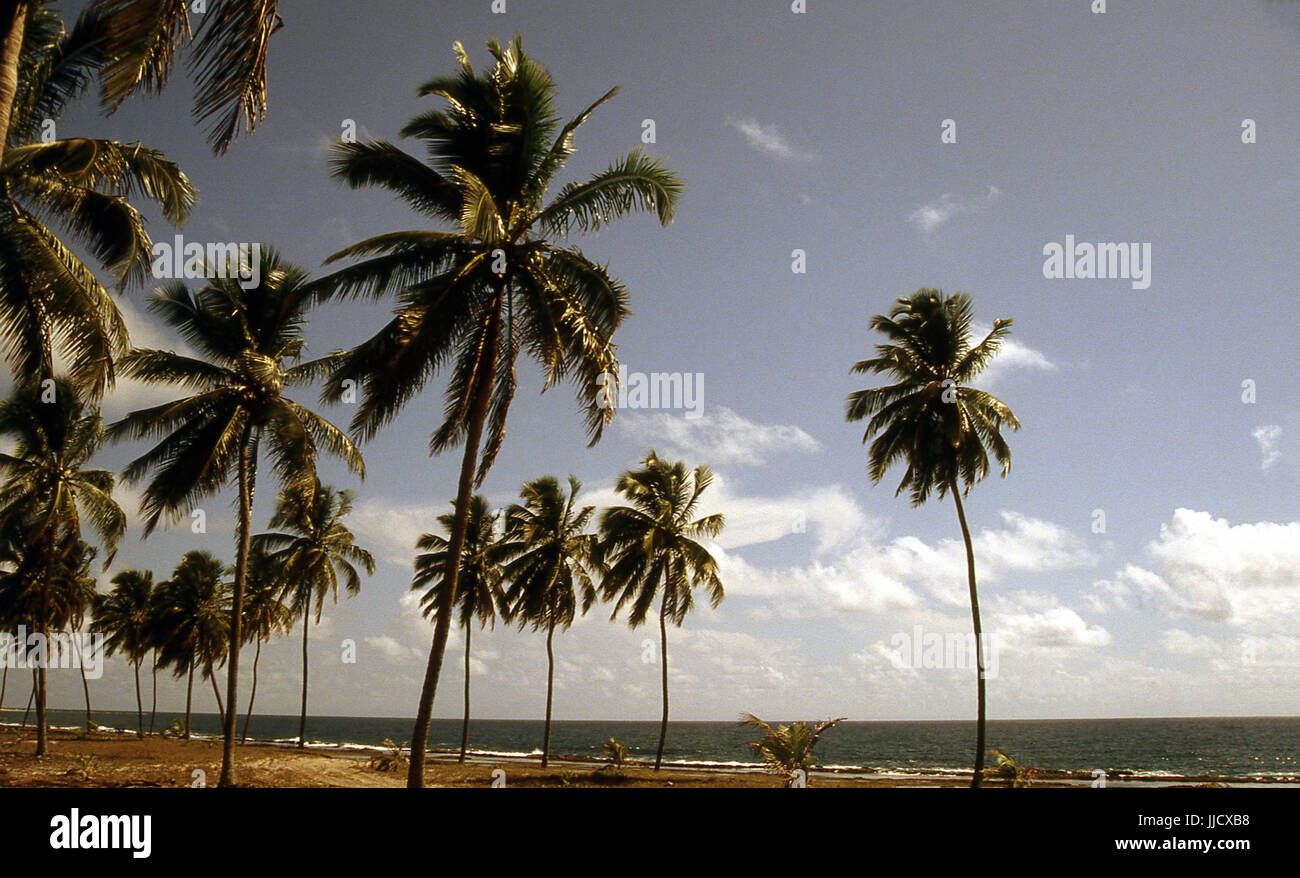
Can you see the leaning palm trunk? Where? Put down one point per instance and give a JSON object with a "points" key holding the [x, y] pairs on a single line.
{"points": [[246, 466], [550, 681], [663, 662], [978, 777], [139, 704], [42, 735], [81, 663], [30, 699], [10, 51], [252, 693], [483, 381], [189, 698], [4, 684], [464, 726], [302, 721], [153, 707], [221, 708]]}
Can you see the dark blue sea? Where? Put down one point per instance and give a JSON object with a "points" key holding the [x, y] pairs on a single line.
{"points": [[1222, 747]]}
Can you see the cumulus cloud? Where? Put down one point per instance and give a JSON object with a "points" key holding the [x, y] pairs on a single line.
{"points": [[1013, 356], [1244, 574], [771, 140], [720, 436]]}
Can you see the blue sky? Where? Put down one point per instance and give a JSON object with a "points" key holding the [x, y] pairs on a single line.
{"points": [[821, 132]]}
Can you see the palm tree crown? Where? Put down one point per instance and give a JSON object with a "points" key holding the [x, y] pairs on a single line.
{"points": [[51, 303], [930, 418]]}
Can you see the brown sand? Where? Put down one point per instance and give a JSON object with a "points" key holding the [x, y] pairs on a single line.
{"points": [[103, 759]]}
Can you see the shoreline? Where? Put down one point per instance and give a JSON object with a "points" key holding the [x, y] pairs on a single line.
{"points": [[119, 758]]}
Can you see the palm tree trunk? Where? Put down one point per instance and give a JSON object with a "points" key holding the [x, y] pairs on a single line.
{"points": [[84, 684], [221, 708], [464, 727], [550, 681], [248, 718], [663, 662], [30, 699], [483, 383], [42, 735], [189, 698], [302, 721], [153, 708], [246, 465], [15, 14], [139, 704], [4, 684], [977, 778]]}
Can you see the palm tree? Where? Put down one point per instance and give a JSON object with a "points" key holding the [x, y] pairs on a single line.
{"points": [[651, 549], [548, 572], [479, 594], [787, 750], [500, 283], [930, 419], [315, 555], [193, 620], [52, 304], [251, 342], [122, 616], [75, 590], [265, 613], [47, 492], [229, 61]]}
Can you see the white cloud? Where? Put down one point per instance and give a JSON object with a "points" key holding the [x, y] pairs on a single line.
{"points": [[1244, 574], [718, 437], [1267, 436], [1013, 356], [934, 214], [771, 140]]}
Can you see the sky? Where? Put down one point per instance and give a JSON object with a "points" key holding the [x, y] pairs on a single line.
{"points": [[1143, 556]]}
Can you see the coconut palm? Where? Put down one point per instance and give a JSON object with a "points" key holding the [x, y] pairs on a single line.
{"points": [[265, 613], [75, 590], [651, 549], [478, 595], [52, 304], [548, 571], [934, 422], [501, 282], [315, 555], [251, 344], [122, 616], [193, 620], [787, 750], [229, 61], [48, 492]]}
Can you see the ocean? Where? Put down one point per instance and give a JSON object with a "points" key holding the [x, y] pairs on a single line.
{"points": [[1254, 747]]}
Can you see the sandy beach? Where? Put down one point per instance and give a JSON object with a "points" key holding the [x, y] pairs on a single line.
{"points": [[121, 760]]}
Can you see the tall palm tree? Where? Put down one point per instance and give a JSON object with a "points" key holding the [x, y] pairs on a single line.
{"points": [[501, 282], [479, 595], [548, 573], [47, 491], [930, 419], [193, 620], [76, 589], [250, 344], [315, 554], [265, 613], [651, 549], [52, 304], [122, 616]]}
